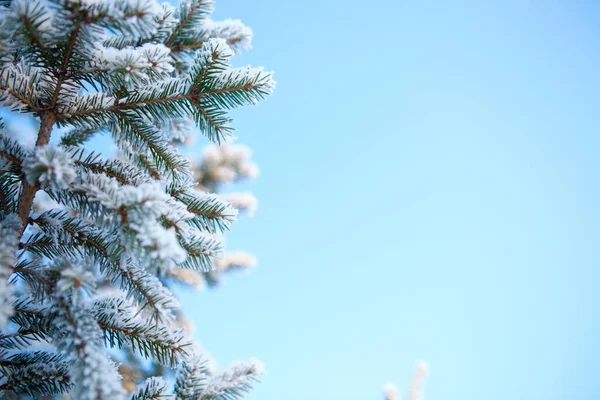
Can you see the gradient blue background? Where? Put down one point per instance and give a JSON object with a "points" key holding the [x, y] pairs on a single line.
{"points": [[429, 190]]}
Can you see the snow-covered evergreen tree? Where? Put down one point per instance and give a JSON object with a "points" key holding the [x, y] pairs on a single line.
{"points": [[88, 245]]}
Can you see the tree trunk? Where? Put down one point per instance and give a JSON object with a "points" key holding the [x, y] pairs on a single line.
{"points": [[29, 190]]}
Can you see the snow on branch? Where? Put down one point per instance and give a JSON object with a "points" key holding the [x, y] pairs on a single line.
{"points": [[152, 388], [121, 170], [35, 373], [134, 17], [76, 332], [9, 231], [35, 26], [139, 63], [123, 326], [211, 213], [190, 15], [155, 300], [50, 165], [210, 89], [21, 87], [234, 381], [140, 209], [236, 34], [201, 249], [191, 378]]}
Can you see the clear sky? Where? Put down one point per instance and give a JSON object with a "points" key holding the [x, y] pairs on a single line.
{"points": [[429, 190]]}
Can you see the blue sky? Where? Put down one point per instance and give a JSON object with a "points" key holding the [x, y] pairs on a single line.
{"points": [[429, 190]]}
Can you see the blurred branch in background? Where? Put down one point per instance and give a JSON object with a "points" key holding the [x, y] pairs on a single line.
{"points": [[218, 167], [391, 392]]}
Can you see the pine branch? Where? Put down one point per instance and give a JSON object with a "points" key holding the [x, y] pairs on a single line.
{"points": [[122, 171], [121, 325], [36, 373], [30, 312], [237, 35], [152, 388], [64, 231], [33, 17], [77, 136], [61, 75], [134, 18], [10, 191], [16, 340], [149, 167], [43, 245], [200, 251], [77, 115], [231, 384], [22, 87], [167, 156], [33, 326], [140, 285], [14, 153], [191, 378], [210, 89], [149, 292], [32, 274], [9, 231], [212, 213], [212, 121], [75, 332], [197, 11]]}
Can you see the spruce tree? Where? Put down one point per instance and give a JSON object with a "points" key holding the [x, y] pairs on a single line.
{"points": [[89, 245]]}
